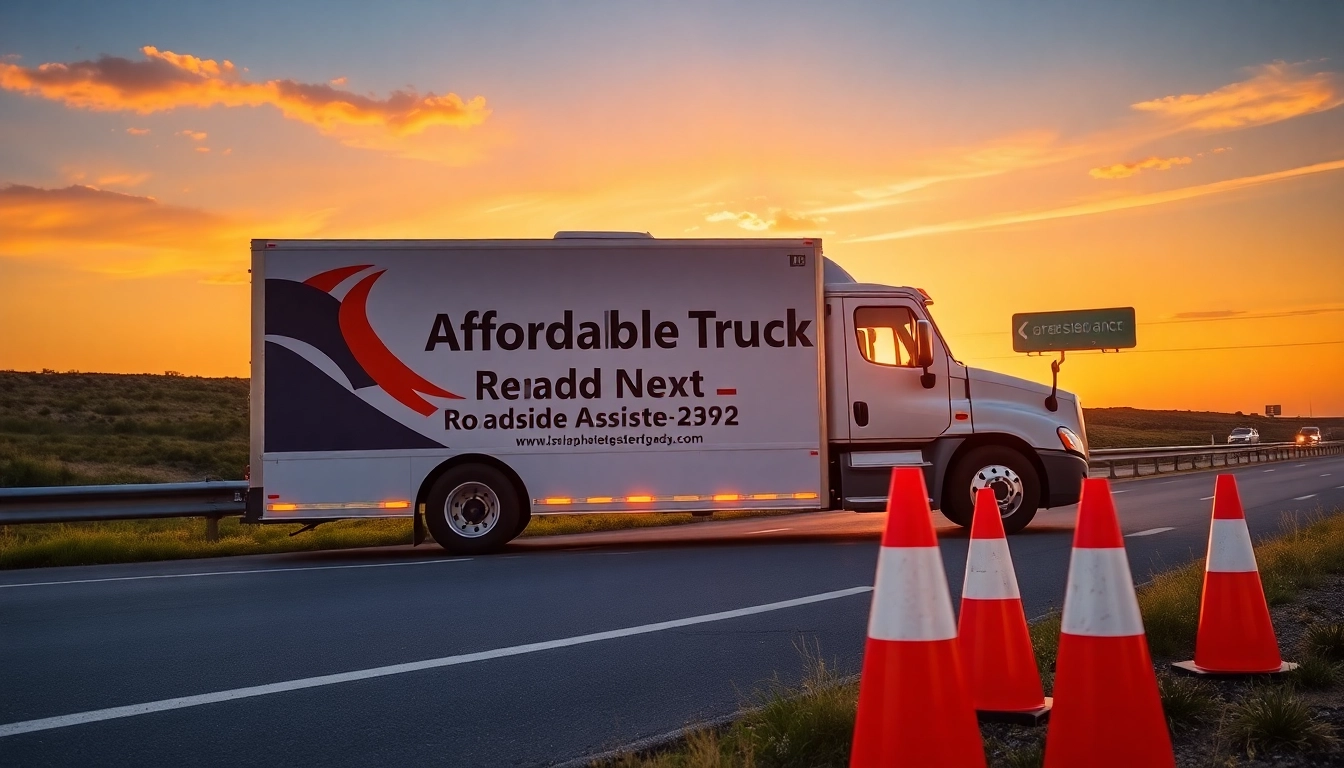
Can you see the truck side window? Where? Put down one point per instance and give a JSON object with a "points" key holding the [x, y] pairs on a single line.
{"points": [[886, 335]]}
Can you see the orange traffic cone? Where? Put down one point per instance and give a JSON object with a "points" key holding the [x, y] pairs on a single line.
{"points": [[1235, 634], [1107, 711], [914, 708], [992, 631]]}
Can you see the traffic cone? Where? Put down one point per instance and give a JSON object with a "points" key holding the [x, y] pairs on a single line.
{"points": [[1107, 712], [1235, 636], [992, 634], [914, 708]]}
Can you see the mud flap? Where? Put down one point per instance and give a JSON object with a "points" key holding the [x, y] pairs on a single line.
{"points": [[418, 530]]}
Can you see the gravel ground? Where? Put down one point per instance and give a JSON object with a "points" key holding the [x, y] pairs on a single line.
{"points": [[1206, 746]]}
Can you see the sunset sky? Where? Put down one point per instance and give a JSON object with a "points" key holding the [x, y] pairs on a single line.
{"points": [[1186, 159]]}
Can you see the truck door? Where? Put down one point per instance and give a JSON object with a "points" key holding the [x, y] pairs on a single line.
{"points": [[887, 401]]}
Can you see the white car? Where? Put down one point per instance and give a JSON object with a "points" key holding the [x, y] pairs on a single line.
{"points": [[1244, 435]]}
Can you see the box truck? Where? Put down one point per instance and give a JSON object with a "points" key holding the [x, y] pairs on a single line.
{"points": [[472, 384]]}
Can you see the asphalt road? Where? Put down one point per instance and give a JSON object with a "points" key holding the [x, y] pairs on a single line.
{"points": [[558, 649]]}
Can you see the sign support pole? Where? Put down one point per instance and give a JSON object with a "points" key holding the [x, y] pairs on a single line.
{"points": [[1052, 402]]}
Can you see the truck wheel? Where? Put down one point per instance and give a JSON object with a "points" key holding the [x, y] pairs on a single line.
{"points": [[473, 509], [1008, 473]]}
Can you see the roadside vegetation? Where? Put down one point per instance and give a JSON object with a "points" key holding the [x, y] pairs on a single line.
{"points": [[91, 428], [1242, 722]]}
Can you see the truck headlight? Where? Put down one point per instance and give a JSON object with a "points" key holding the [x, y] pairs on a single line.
{"points": [[1071, 441]]}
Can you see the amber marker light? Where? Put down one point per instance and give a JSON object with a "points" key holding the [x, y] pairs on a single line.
{"points": [[394, 505], [599, 499], [283, 507], [727, 496], [638, 499], [804, 495]]}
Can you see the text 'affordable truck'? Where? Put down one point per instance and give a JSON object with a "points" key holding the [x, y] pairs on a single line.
{"points": [[472, 384]]}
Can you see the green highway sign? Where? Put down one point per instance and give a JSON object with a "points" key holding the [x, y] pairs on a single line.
{"points": [[1074, 329]]}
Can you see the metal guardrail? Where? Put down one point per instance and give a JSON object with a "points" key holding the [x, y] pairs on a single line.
{"points": [[84, 503], [213, 500], [1204, 456]]}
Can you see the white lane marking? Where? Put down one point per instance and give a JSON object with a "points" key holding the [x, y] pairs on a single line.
{"points": [[1327, 474], [1269, 470], [230, 573], [1149, 532], [112, 713], [1299, 465], [767, 530], [1125, 490], [1304, 498], [1205, 498]]}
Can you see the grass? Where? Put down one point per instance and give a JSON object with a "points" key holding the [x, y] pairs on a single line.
{"points": [[88, 428], [1314, 673], [1275, 717], [1325, 641], [808, 726], [1271, 717], [1186, 700], [130, 541]]}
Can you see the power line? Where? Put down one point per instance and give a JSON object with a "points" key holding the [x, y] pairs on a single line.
{"points": [[1184, 320], [1186, 349]]}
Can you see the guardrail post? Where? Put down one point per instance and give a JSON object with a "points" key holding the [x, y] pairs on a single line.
{"points": [[212, 528]]}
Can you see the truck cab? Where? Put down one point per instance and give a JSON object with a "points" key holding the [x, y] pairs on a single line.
{"points": [[898, 397]]}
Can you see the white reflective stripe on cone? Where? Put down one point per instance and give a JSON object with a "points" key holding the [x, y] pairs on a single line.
{"points": [[989, 571], [1230, 548], [1099, 600], [910, 596]]}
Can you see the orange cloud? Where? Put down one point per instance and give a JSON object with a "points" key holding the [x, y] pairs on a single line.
{"points": [[1020, 151], [138, 131], [194, 135], [1276, 91], [1125, 170], [165, 80], [1103, 206], [123, 180], [746, 220], [778, 219], [112, 232]]}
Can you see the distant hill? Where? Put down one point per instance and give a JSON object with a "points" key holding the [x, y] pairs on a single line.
{"points": [[1135, 428], [83, 428]]}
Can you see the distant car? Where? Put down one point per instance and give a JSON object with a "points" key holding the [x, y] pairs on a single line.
{"points": [[1309, 435], [1244, 435]]}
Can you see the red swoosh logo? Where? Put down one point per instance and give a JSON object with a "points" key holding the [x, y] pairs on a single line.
{"points": [[397, 380]]}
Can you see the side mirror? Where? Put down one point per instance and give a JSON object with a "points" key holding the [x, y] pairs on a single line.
{"points": [[923, 343], [924, 352]]}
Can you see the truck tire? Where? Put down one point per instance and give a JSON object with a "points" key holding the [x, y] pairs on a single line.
{"points": [[1008, 473], [473, 509]]}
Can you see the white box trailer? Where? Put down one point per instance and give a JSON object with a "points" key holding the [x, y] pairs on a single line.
{"points": [[471, 384]]}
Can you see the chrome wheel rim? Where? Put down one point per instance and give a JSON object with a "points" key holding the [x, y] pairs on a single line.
{"points": [[1006, 485], [472, 509]]}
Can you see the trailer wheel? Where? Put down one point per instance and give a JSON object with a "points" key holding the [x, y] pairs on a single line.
{"points": [[1003, 470], [473, 509]]}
